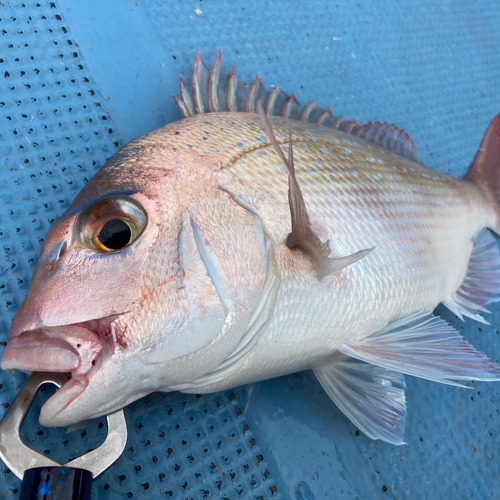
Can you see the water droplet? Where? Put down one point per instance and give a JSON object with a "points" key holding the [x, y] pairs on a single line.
{"points": [[303, 492]]}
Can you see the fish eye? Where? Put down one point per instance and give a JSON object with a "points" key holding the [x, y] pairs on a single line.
{"points": [[115, 234], [112, 224]]}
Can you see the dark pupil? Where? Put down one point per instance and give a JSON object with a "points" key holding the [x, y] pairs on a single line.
{"points": [[115, 234]]}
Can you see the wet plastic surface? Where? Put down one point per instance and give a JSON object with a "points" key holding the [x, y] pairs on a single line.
{"points": [[80, 79]]}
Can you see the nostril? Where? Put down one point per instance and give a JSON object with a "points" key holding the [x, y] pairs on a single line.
{"points": [[59, 251], [62, 249]]}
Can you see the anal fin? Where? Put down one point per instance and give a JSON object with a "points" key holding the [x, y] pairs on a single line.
{"points": [[372, 397], [424, 346], [481, 285], [303, 235]]}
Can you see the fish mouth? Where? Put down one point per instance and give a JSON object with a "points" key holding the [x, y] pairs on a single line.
{"points": [[76, 350]]}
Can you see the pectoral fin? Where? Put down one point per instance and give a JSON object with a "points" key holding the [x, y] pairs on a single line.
{"points": [[372, 397], [424, 346], [303, 235]]}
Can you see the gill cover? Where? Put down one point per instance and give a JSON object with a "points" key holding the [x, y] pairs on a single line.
{"points": [[224, 257]]}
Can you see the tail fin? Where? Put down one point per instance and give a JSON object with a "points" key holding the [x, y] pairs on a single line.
{"points": [[485, 169]]}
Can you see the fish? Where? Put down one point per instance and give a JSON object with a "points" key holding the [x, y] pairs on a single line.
{"points": [[258, 237]]}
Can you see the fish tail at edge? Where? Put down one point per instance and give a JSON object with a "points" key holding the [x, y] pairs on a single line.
{"points": [[485, 169]]}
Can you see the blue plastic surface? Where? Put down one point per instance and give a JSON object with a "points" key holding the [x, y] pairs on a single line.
{"points": [[80, 79]]}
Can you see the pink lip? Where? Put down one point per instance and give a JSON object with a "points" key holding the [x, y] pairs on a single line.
{"points": [[71, 348], [34, 351]]}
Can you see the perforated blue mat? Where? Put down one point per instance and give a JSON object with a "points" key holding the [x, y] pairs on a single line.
{"points": [[80, 79]]}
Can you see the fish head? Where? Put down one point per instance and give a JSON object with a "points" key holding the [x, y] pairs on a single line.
{"points": [[149, 280]]}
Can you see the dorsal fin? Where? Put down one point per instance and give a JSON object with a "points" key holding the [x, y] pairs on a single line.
{"points": [[218, 90]]}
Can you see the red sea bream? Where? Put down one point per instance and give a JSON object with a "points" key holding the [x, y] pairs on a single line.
{"points": [[234, 246]]}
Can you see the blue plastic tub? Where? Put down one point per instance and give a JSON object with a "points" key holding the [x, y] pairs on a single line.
{"points": [[78, 80]]}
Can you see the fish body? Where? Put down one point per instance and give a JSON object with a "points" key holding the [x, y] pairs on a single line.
{"points": [[358, 197], [207, 291]]}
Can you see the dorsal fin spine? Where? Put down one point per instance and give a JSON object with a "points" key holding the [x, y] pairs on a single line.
{"points": [[213, 84], [306, 112], [396, 140], [252, 94], [338, 123], [232, 85], [351, 128], [289, 104], [182, 106], [186, 97], [324, 116], [197, 84], [271, 100]]}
